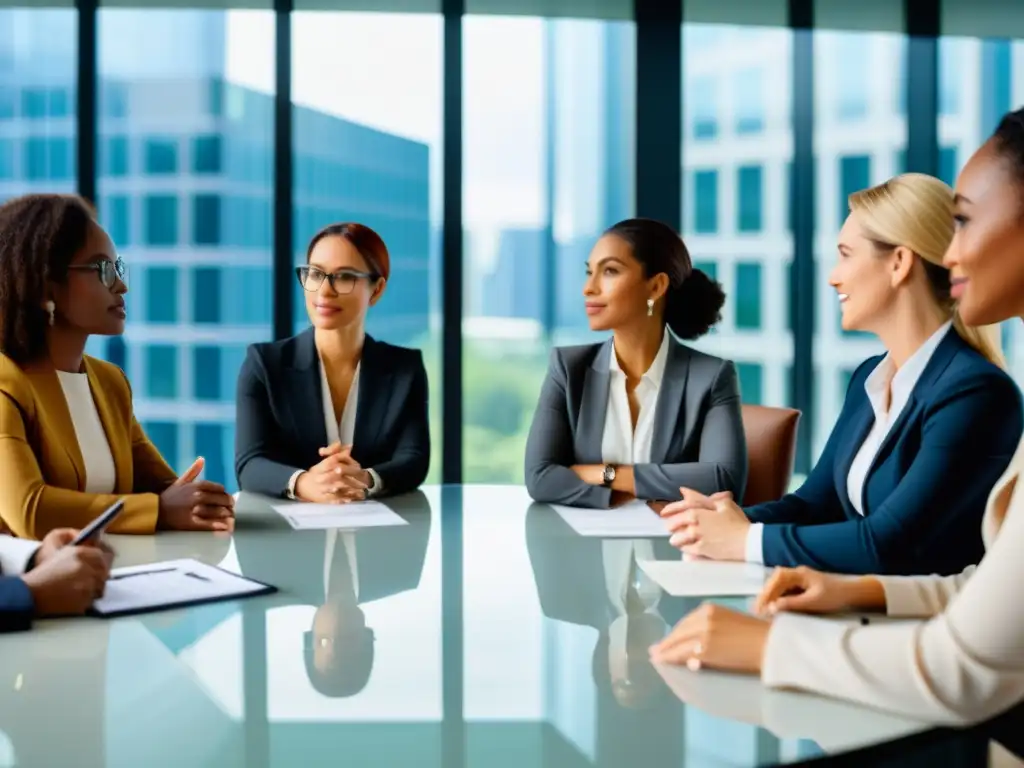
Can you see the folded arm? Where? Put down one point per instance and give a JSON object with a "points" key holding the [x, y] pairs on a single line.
{"points": [[550, 454], [407, 468], [32, 508], [256, 435], [964, 666], [967, 440], [722, 462]]}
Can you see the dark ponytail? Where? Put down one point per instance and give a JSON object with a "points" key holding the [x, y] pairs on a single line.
{"points": [[695, 307], [693, 303]]}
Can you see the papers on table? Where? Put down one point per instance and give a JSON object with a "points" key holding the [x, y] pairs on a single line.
{"points": [[358, 514], [171, 584], [632, 520], [706, 578]]}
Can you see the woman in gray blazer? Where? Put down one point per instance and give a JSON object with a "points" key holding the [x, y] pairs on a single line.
{"points": [[333, 415], [640, 414]]}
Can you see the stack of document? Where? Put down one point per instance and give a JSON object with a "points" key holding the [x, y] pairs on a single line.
{"points": [[172, 584]]}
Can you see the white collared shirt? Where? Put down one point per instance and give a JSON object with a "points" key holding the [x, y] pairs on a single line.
{"points": [[620, 443], [884, 381], [340, 431]]}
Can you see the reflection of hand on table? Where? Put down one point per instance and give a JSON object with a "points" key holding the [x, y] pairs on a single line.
{"points": [[833, 724]]}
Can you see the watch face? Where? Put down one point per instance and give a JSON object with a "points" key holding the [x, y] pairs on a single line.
{"points": [[609, 474]]}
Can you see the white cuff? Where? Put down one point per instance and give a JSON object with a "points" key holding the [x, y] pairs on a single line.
{"points": [[754, 551], [292, 482], [15, 554], [376, 484]]}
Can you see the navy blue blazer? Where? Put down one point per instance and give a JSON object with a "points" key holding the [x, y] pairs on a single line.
{"points": [[280, 417], [16, 605], [925, 491]]}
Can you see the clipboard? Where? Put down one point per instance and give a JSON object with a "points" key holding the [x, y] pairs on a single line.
{"points": [[172, 584]]}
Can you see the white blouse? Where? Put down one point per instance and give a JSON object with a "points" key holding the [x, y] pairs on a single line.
{"points": [[100, 473], [620, 443]]}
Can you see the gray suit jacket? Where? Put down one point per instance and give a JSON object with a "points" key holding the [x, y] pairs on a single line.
{"points": [[698, 434]]}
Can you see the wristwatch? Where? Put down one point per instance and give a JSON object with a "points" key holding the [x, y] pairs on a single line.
{"points": [[608, 475]]}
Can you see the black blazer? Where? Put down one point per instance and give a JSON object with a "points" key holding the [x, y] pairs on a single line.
{"points": [[698, 437], [280, 418]]}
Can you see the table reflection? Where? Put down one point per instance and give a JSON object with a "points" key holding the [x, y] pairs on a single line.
{"points": [[543, 658], [338, 572], [596, 583]]}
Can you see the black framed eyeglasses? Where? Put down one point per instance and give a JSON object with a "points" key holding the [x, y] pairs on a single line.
{"points": [[109, 271], [342, 281]]}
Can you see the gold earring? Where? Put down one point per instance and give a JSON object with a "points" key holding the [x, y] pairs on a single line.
{"points": [[650, 307]]}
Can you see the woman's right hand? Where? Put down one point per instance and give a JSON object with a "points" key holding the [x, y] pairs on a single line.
{"points": [[805, 590], [190, 504]]}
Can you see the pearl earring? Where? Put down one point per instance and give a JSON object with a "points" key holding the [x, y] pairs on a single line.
{"points": [[650, 307], [51, 310]]}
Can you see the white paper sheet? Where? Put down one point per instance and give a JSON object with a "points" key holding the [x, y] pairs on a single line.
{"points": [[357, 514], [172, 582], [706, 578], [633, 519]]}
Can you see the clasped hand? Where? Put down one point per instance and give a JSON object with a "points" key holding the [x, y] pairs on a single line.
{"points": [[713, 527], [336, 479]]}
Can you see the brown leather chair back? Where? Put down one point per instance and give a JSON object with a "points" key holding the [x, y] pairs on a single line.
{"points": [[771, 449]]}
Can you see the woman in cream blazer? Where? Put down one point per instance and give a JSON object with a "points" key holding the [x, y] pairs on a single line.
{"points": [[70, 445], [962, 661]]}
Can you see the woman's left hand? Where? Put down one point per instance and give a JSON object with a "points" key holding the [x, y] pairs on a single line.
{"points": [[715, 637]]}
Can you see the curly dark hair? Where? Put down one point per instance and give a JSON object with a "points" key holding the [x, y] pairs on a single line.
{"points": [[693, 303], [39, 236]]}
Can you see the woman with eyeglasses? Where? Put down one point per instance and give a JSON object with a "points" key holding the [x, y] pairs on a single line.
{"points": [[332, 415], [70, 445]]}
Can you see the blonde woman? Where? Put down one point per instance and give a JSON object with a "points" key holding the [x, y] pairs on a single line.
{"points": [[924, 433]]}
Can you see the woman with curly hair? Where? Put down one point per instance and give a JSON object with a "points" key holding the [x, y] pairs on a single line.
{"points": [[70, 445]]}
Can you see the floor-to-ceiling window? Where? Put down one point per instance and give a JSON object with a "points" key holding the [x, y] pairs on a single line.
{"points": [[737, 148], [860, 139], [185, 187], [548, 127], [38, 100]]}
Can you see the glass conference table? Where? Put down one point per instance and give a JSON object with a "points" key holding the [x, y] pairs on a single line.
{"points": [[483, 633]]}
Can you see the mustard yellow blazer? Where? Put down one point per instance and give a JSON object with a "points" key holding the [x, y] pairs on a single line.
{"points": [[42, 473]]}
